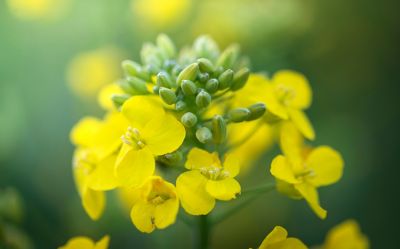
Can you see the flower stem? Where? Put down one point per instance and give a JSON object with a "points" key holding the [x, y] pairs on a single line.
{"points": [[203, 232]]}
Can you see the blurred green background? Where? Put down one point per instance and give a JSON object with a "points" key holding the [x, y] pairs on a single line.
{"points": [[348, 49]]}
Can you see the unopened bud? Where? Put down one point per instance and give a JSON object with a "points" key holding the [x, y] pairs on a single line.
{"points": [[171, 159], [138, 84], [119, 99], [228, 58], [188, 73], [212, 85], [131, 68], [203, 77], [204, 135], [180, 105], [189, 119], [167, 95], [240, 78], [205, 65], [166, 45], [238, 115], [256, 111], [203, 99], [164, 80], [188, 87], [225, 79], [219, 129], [156, 89]]}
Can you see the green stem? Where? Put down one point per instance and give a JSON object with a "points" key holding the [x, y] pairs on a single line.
{"points": [[203, 233]]}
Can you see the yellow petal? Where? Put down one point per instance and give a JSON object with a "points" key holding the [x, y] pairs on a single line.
{"points": [[276, 235], [198, 158], [274, 106], [297, 84], [103, 243], [102, 178], [346, 235], [192, 194], [165, 213], [142, 216], [302, 123], [93, 202], [163, 134], [281, 169], [327, 166], [105, 96], [78, 243], [134, 167], [232, 164], [139, 110], [84, 132], [310, 194], [225, 189], [289, 243]]}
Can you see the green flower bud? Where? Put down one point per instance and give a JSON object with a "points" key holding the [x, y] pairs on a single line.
{"points": [[212, 85], [189, 73], [138, 85], [164, 80], [188, 87], [189, 119], [204, 46], [256, 111], [225, 79], [203, 99], [219, 129], [176, 70], [156, 89], [203, 77], [166, 45], [131, 68], [180, 105], [126, 87], [171, 159], [119, 99], [238, 115], [204, 135], [240, 78], [205, 65], [229, 57], [167, 95]]}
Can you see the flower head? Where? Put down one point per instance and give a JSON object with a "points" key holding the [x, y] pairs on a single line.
{"points": [[277, 239], [86, 243], [346, 235]]}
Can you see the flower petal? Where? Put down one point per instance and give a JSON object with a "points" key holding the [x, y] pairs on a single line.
{"points": [[103, 243], [289, 243], [142, 216], [302, 123], [310, 194], [139, 110], [134, 167], [192, 194], [327, 166], [163, 134], [232, 164], [165, 214], [198, 158], [281, 169], [84, 132], [276, 235], [93, 202], [102, 178], [225, 189], [78, 243]]}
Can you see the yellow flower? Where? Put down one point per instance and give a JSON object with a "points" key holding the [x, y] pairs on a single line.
{"points": [[151, 132], [286, 96], [346, 235], [88, 72], [36, 9], [86, 243], [277, 239], [300, 171], [156, 206], [206, 181]]}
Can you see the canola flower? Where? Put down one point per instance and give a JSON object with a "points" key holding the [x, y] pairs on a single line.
{"points": [[181, 127]]}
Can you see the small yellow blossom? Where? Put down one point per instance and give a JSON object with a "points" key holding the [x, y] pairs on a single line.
{"points": [[151, 132], [300, 171], [207, 180], [86, 243], [277, 239], [156, 206], [346, 235]]}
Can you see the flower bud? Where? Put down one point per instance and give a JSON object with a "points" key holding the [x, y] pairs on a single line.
{"points": [[119, 99], [225, 79], [156, 89], [131, 68], [204, 135], [165, 44], [206, 47], [167, 95], [188, 87], [203, 99], [219, 129], [212, 85], [137, 84], [180, 105], [238, 115], [203, 77], [126, 87], [205, 65], [189, 119], [228, 58], [256, 111], [188, 73], [164, 80], [173, 158], [240, 78]]}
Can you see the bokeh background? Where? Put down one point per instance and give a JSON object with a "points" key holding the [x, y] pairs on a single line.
{"points": [[55, 54]]}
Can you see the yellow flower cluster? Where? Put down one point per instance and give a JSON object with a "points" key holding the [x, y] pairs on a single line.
{"points": [[197, 118]]}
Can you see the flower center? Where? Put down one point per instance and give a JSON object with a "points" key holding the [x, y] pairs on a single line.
{"points": [[158, 199], [214, 173], [285, 94], [306, 173], [87, 162], [132, 137]]}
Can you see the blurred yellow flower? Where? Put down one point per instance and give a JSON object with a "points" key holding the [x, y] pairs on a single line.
{"points": [[156, 206], [207, 180], [36, 9], [86, 243], [346, 235], [277, 239], [89, 71], [160, 13], [300, 171]]}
